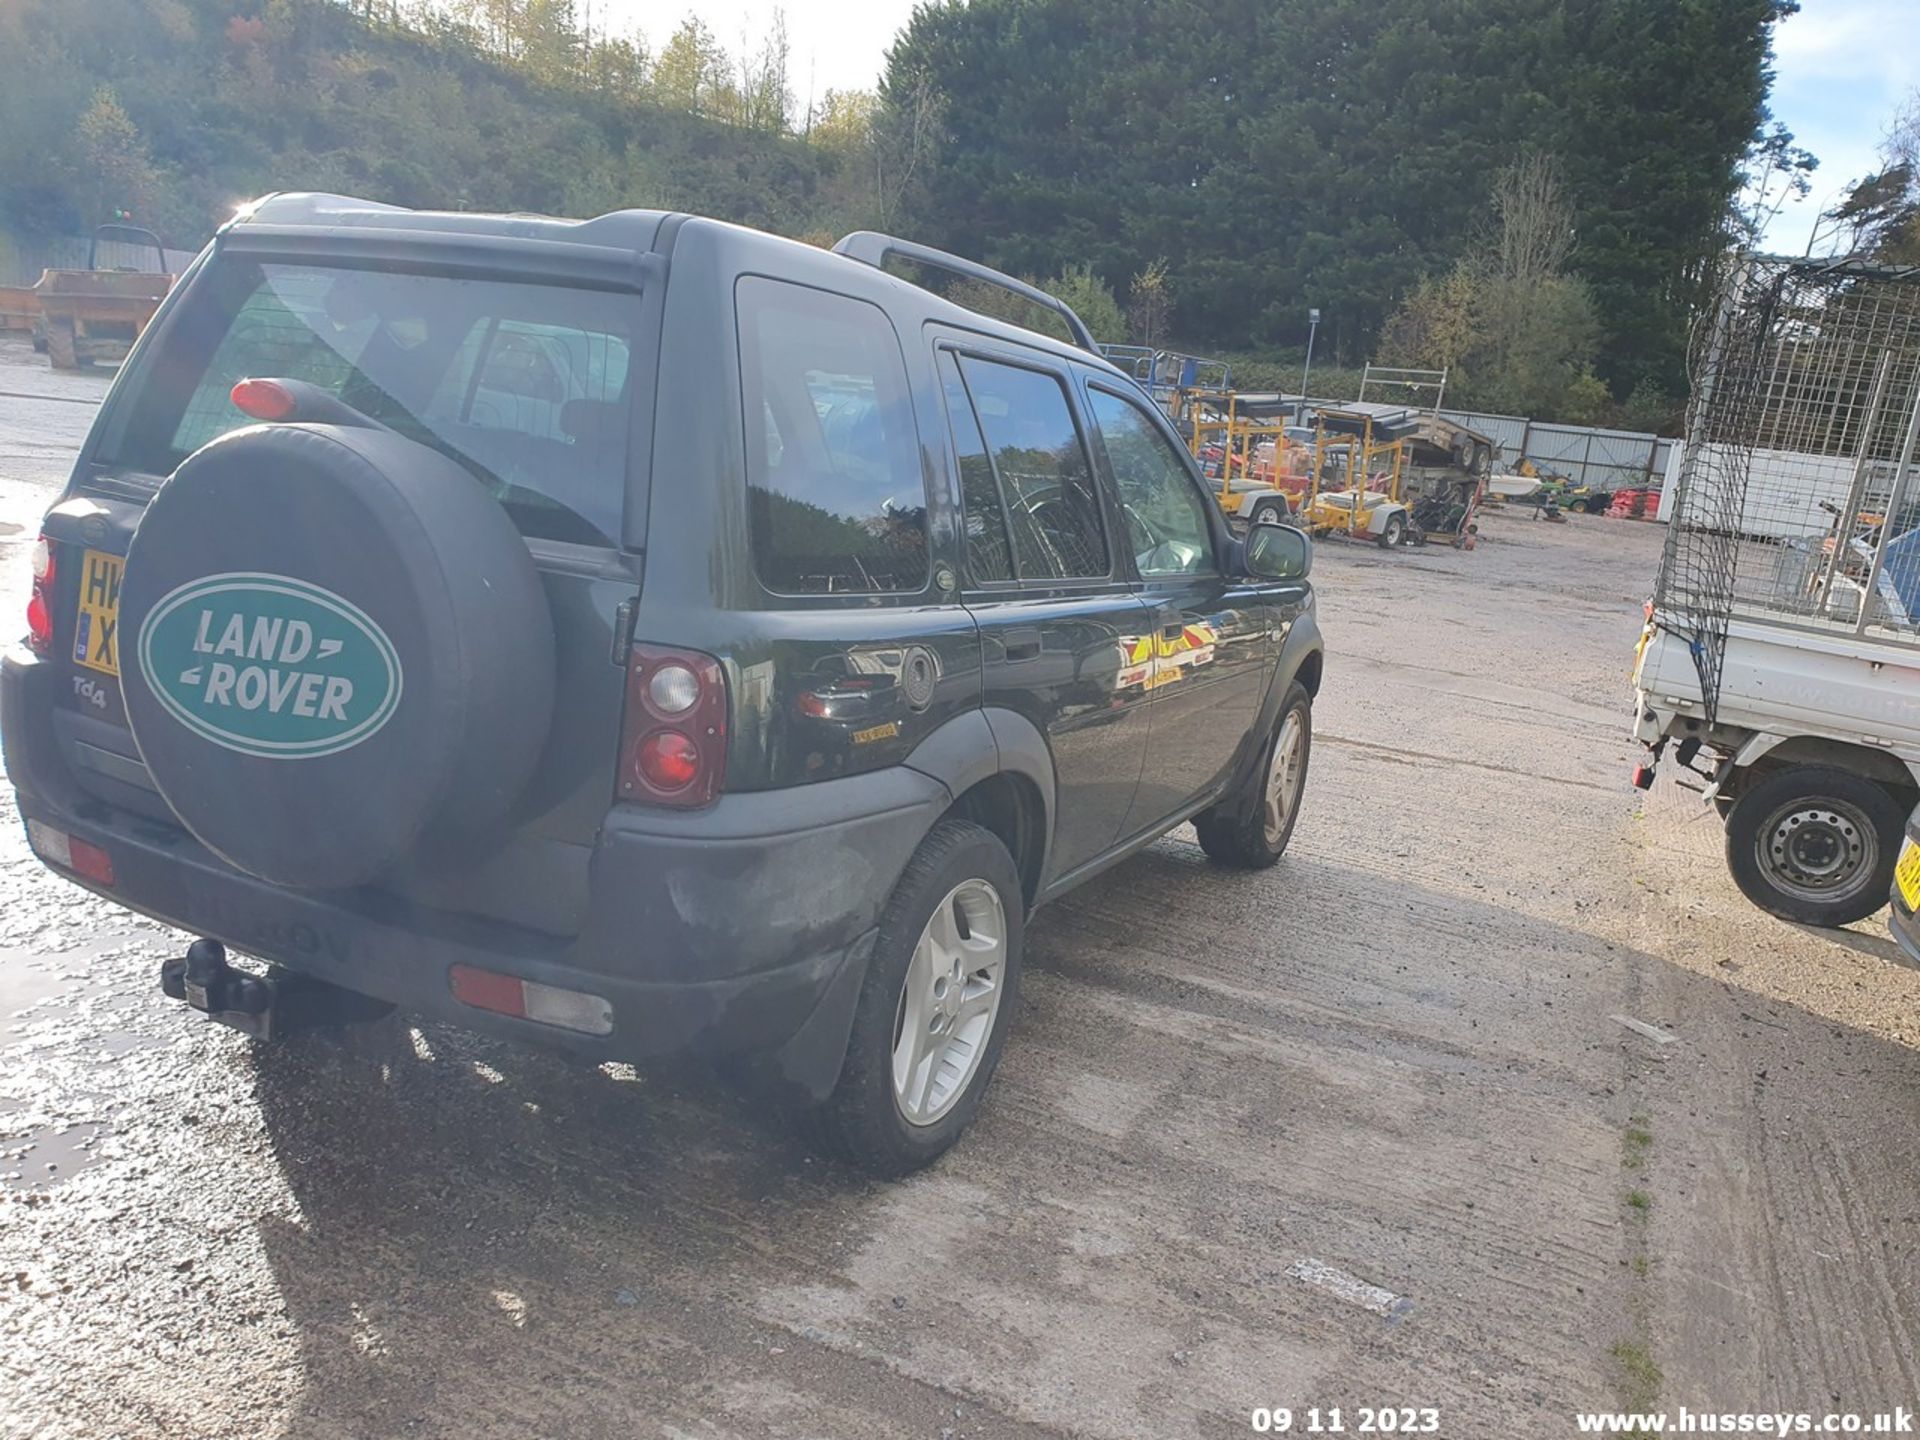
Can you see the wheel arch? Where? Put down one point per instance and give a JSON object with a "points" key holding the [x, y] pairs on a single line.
{"points": [[1312, 666], [997, 766], [1009, 805], [1796, 751]]}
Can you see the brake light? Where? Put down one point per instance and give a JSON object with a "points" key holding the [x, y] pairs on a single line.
{"points": [[262, 399], [40, 602], [669, 760], [673, 742]]}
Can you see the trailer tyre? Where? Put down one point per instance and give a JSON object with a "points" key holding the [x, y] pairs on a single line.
{"points": [[1270, 512], [1393, 532], [62, 345], [1815, 844]]}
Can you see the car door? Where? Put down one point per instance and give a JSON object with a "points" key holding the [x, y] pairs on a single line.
{"points": [[1212, 633], [1060, 624]]}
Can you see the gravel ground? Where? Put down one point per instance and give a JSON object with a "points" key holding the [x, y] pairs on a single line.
{"points": [[1364, 1129]]}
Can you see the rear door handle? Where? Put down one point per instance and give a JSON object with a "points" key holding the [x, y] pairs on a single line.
{"points": [[1021, 644]]}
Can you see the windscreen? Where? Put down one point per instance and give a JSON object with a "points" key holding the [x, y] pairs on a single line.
{"points": [[527, 386]]}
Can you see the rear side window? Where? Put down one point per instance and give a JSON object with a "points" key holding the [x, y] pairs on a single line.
{"points": [[989, 552], [526, 386], [1043, 470], [836, 496]]}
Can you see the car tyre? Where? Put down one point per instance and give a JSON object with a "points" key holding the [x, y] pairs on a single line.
{"points": [[889, 1113], [1815, 845], [1249, 829]]}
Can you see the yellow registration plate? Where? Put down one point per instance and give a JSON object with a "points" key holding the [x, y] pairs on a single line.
{"points": [[1907, 875], [96, 638]]}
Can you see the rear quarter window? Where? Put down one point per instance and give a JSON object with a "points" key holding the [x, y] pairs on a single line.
{"points": [[837, 500], [524, 385]]}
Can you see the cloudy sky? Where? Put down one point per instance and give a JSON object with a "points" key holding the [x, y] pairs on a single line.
{"points": [[1844, 66]]}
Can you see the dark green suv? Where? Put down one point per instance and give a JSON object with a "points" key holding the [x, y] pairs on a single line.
{"points": [[644, 635]]}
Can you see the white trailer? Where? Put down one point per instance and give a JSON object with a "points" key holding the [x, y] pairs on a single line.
{"points": [[1781, 656]]}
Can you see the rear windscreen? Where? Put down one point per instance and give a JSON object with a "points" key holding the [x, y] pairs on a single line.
{"points": [[526, 386]]}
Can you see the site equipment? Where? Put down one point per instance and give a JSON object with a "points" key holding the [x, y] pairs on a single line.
{"points": [[95, 315]]}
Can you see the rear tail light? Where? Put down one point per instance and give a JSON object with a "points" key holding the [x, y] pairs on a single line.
{"points": [[60, 849], [530, 1000], [673, 743], [40, 603]]}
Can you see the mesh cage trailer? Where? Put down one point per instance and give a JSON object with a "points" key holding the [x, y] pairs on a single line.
{"points": [[1781, 656]]}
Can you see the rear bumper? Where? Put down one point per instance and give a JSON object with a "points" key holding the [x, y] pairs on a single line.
{"points": [[741, 930]]}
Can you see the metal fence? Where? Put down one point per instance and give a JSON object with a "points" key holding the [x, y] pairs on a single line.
{"points": [[23, 258], [1794, 504], [1602, 459]]}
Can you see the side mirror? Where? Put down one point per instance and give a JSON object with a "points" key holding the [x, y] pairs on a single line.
{"points": [[1278, 552]]}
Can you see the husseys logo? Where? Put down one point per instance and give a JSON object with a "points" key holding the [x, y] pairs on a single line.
{"points": [[269, 665]]}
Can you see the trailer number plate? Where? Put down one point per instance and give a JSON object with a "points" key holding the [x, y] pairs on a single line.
{"points": [[1907, 875]]}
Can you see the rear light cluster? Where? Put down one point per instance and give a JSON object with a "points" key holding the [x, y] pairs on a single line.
{"points": [[60, 849], [40, 604], [673, 744], [530, 1000]]}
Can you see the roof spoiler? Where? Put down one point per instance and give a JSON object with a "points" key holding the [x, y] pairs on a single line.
{"points": [[873, 248]]}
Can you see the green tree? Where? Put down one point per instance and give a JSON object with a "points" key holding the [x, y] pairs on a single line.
{"points": [[693, 72], [1089, 297], [1435, 327], [1149, 304], [842, 121], [120, 172], [1329, 153]]}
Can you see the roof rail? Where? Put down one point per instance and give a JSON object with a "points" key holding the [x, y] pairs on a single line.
{"points": [[873, 248]]}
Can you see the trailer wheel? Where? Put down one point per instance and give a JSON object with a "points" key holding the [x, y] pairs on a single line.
{"points": [[1270, 512], [61, 345], [1815, 844], [1393, 532]]}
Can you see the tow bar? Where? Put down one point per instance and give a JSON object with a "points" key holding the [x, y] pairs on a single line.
{"points": [[264, 1006]]}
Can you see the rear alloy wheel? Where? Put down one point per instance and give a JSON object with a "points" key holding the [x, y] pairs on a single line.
{"points": [[1815, 845], [1249, 829], [935, 1007]]}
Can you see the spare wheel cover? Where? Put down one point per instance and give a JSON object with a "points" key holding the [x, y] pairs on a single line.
{"points": [[338, 653]]}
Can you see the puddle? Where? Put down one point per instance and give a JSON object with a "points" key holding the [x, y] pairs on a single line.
{"points": [[38, 1153], [48, 1156], [26, 989]]}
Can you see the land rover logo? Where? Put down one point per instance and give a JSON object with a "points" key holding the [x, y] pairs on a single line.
{"points": [[270, 666]]}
